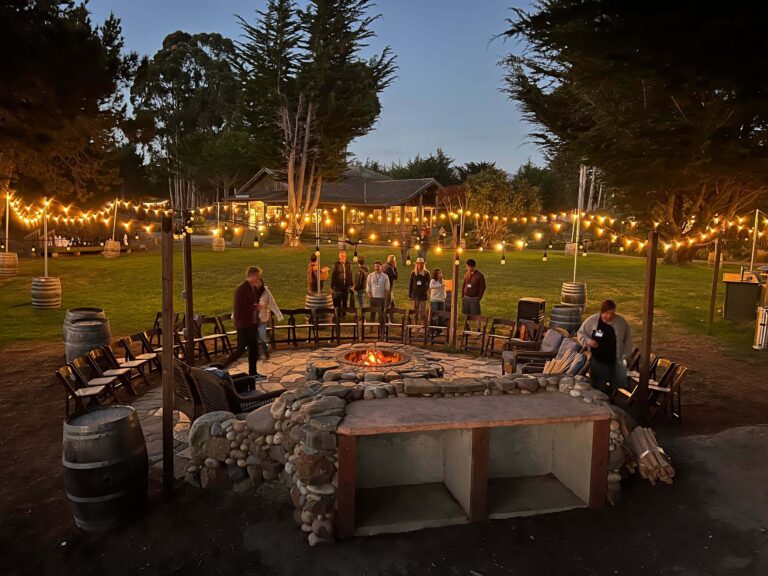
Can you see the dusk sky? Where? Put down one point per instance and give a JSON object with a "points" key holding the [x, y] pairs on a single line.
{"points": [[447, 89]]}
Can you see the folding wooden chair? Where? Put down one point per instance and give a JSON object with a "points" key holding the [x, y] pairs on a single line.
{"points": [[158, 325], [304, 326], [347, 325], [473, 334], [394, 328], [325, 325], [662, 372], [134, 349], [415, 328], [371, 320], [499, 335], [107, 364], [668, 399], [437, 328], [83, 396], [85, 366], [218, 338]]}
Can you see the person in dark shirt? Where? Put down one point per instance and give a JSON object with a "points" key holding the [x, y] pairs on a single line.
{"points": [[246, 316], [342, 281], [472, 289], [390, 269], [608, 337]]}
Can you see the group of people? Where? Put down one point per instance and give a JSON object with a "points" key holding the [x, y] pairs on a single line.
{"points": [[606, 334], [351, 289]]}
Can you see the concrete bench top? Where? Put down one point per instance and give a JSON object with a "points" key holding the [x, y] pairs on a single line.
{"points": [[419, 414]]}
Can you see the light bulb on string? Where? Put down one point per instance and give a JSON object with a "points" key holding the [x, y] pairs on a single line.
{"points": [[408, 258], [355, 258], [544, 258], [503, 258]]}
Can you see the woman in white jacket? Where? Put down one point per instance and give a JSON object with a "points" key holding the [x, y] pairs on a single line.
{"points": [[268, 306]]}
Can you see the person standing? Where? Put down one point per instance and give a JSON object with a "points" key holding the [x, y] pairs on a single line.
{"points": [[377, 286], [312, 271], [246, 316], [267, 307], [390, 269], [436, 295], [360, 279], [418, 287], [608, 337], [472, 289], [341, 281]]}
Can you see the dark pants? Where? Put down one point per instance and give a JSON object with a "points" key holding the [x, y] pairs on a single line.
{"points": [[601, 374], [376, 303], [249, 338], [340, 298]]}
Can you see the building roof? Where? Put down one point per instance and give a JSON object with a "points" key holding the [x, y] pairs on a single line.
{"points": [[358, 186]]}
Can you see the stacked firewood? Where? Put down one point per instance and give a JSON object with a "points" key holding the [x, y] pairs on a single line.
{"points": [[560, 365], [649, 458]]}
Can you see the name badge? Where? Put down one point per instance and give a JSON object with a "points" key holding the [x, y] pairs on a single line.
{"points": [[418, 283], [599, 334], [469, 285]]}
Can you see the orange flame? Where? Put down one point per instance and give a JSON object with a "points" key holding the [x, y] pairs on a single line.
{"points": [[374, 357]]}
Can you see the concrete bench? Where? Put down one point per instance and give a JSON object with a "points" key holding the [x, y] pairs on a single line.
{"points": [[412, 463]]}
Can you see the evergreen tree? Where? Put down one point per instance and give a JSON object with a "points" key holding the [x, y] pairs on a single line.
{"points": [[308, 92], [661, 96], [61, 106]]}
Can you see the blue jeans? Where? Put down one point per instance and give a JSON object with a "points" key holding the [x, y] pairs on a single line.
{"points": [[262, 333], [361, 298]]}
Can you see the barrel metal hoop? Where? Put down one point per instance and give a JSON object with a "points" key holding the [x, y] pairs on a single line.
{"points": [[106, 498]]}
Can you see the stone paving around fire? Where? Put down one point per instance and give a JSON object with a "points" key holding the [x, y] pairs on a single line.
{"points": [[285, 369]]}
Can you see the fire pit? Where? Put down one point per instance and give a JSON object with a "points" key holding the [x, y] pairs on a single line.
{"points": [[374, 356], [351, 362]]}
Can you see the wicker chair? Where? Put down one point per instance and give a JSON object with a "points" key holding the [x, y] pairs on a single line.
{"points": [[220, 394]]}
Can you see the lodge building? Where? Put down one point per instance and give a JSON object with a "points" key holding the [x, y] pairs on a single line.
{"points": [[362, 195]]}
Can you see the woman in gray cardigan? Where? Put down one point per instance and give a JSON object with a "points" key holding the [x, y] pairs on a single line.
{"points": [[608, 337]]}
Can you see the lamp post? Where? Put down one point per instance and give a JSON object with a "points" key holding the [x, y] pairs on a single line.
{"points": [[344, 224]]}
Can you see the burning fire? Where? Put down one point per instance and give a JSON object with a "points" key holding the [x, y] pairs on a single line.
{"points": [[373, 357]]}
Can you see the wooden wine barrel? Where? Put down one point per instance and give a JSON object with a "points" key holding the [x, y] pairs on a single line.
{"points": [[46, 292], [318, 301], [84, 335], [574, 294], [78, 314], [111, 249], [9, 264], [313, 301], [218, 244], [566, 317], [105, 466]]}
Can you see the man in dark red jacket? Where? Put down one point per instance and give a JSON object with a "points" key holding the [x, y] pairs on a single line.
{"points": [[246, 317]]}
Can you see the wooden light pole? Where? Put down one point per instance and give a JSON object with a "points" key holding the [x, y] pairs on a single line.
{"points": [[189, 309], [45, 235], [455, 281], [167, 361], [648, 297], [715, 278], [7, 217]]}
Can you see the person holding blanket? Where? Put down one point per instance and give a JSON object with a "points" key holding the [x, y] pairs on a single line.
{"points": [[609, 339]]}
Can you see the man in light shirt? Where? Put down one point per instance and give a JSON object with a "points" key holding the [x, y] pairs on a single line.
{"points": [[377, 287]]}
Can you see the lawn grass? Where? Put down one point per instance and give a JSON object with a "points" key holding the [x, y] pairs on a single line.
{"points": [[129, 290]]}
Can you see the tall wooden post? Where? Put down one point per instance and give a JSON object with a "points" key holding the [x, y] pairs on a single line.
{"points": [[45, 235], [754, 241], [7, 217], [715, 278], [167, 361], [189, 308], [456, 284], [648, 297]]}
